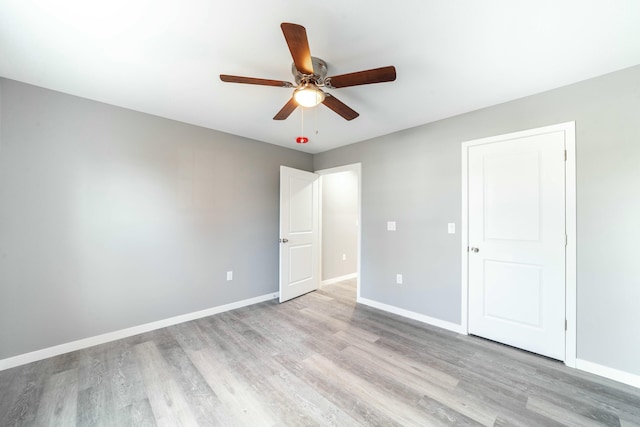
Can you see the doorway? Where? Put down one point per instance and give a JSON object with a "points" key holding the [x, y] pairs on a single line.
{"points": [[340, 224], [518, 258], [310, 253]]}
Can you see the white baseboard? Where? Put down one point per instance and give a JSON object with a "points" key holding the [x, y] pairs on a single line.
{"points": [[340, 279], [607, 372], [413, 315], [34, 356]]}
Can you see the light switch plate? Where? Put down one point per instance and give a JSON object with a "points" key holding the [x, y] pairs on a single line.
{"points": [[391, 226], [451, 227], [229, 275]]}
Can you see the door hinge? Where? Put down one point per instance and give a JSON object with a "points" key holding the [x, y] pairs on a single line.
{"points": [[566, 240], [565, 324], [565, 155]]}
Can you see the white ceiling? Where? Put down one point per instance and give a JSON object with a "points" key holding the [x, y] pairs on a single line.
{"points": [[163, 57]]}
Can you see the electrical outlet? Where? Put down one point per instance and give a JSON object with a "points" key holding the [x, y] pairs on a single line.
{"points": [[399, 279], [344, 257], [391, 226], [229, 275], [451, 228]]}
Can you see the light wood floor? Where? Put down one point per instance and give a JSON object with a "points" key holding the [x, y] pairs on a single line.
{"points": [[317, 360]]}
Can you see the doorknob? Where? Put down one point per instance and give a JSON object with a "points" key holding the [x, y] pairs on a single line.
{"points": [[475, 250], [284, 240]]}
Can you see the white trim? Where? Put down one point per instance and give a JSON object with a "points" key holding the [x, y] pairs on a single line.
{"points": [[339, 279], [320, 223], [412, 315], [571, 345], [464, 230], [570, 229], [607, 372], [357, 168], [45, 353]]}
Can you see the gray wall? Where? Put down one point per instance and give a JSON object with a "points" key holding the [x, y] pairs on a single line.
{"points": [[339, 224], [413, 177], [111, 218]]}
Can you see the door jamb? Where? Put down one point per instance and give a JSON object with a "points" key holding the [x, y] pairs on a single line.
{"points": [[570, 230]]}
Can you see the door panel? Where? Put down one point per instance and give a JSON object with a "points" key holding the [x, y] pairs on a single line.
{"points": [[301, 203], [517, 224], [498, 282], [299, 230], [512, 196], [299, 256]]}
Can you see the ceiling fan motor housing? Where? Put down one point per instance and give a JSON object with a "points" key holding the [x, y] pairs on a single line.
{"points": [[319, 73]]}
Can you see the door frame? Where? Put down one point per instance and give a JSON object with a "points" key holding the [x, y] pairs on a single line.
{"points": [[357, 168], [570, 226]]}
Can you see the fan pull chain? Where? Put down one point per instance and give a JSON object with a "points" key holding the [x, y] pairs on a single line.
{"points": [[316, 114], [302, 139]]}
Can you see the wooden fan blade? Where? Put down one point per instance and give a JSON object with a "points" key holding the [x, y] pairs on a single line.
{"points": [[339, 107], [286, 110], [296, 37], [376, 75], [253, 81]]}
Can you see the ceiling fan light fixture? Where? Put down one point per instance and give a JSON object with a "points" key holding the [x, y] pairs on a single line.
{"points": [[310, 76], [308, 95]]}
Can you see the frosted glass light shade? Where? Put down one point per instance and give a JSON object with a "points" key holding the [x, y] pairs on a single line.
{"points": [[308, 95]]}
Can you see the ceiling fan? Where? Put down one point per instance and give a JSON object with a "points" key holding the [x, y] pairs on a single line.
{"points": [[310, 75]]}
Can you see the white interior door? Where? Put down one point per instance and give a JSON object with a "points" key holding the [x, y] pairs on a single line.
{"points": [[517, 240], [299, 226]]}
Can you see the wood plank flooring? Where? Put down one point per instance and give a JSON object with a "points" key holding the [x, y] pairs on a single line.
{"points": [[317, 360]]}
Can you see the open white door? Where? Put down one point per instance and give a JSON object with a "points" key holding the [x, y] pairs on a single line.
{"points": [[299, 231]]}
